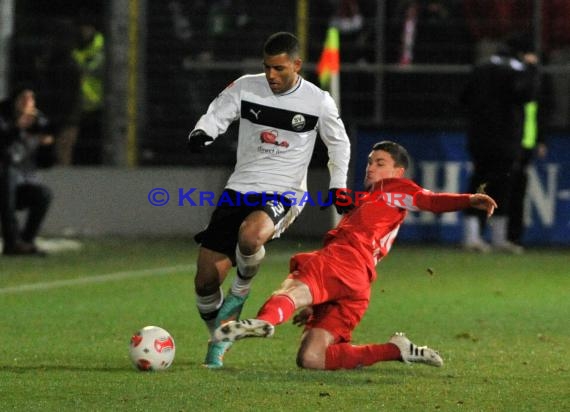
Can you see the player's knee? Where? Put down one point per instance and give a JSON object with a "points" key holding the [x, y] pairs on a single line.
{"points": [[250, 242], [308, 359], [253, 235]]}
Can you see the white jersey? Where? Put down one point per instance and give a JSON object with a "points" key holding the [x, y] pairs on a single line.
{"points": [[277, 134]]}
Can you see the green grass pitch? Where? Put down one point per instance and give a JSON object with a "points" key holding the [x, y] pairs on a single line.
{"points": [[501, 323]]}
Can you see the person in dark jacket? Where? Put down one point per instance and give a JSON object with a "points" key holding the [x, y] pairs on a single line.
{"points": [[533, 146], [24, 130], [495, 96]]}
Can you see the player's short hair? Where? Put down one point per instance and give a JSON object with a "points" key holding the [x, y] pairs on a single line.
{"points": [[399, 153], [281, 42]]}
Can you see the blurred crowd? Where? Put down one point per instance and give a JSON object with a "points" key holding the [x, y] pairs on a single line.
{"points": [[68, 67], [62, 58]]}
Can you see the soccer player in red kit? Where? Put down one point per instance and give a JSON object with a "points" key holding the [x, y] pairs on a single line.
{"points": [[332, 285]]}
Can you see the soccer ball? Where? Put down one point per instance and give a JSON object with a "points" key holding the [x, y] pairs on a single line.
{"points": [[152, 349]]}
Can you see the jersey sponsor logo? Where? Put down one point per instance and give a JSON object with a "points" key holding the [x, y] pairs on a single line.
{"points": [[270, 137], [399, 200], [346, 197], [276, 118], [298, 122]]}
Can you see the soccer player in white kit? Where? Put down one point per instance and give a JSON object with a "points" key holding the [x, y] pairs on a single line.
{"points": [[280, 115]]}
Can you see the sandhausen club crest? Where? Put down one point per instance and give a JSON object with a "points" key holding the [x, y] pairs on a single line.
{"points": [[298, 122]]}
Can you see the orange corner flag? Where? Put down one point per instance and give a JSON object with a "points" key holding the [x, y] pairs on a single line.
{"points": [[329, 63]]}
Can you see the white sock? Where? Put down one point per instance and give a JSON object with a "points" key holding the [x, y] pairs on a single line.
{"points": [[247, 267], [499, 230], [208, 307], [471, 230]]}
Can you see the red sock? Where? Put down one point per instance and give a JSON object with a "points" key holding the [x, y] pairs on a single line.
{"points": [[347, 356], [276, 310]]}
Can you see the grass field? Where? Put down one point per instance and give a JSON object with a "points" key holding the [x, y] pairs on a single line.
{"points": [[501, 323]]}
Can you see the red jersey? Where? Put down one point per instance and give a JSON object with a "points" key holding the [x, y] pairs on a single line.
{"points": [[371, 227]]}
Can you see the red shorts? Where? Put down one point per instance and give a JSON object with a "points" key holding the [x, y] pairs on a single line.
{"points": [[340, 286]]}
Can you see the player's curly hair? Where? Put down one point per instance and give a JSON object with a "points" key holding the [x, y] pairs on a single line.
{"points": [[399, 153], [281, 42]]}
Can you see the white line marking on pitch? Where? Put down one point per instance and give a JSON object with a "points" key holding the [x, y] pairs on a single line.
{"points": [[109, 277]]}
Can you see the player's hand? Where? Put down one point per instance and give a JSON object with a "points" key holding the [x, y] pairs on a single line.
{"points": [[482, 201], [301, 318], [198, 140], [340, 199]]}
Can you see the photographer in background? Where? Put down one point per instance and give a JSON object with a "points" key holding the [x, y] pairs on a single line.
{"points": [[24, 136]]}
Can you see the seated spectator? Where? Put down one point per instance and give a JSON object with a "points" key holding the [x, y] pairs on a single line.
{"points": [[24, 131]]}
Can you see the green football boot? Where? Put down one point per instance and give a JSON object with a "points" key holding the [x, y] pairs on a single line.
{"points": [[230, 310], [215, 355]]}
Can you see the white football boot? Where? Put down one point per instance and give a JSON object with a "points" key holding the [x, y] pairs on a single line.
{"points": [[411, 353], [246, 328]]}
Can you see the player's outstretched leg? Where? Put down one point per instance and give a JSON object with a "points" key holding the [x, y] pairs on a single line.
{"points": [[411, 353], [247, 328]]}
